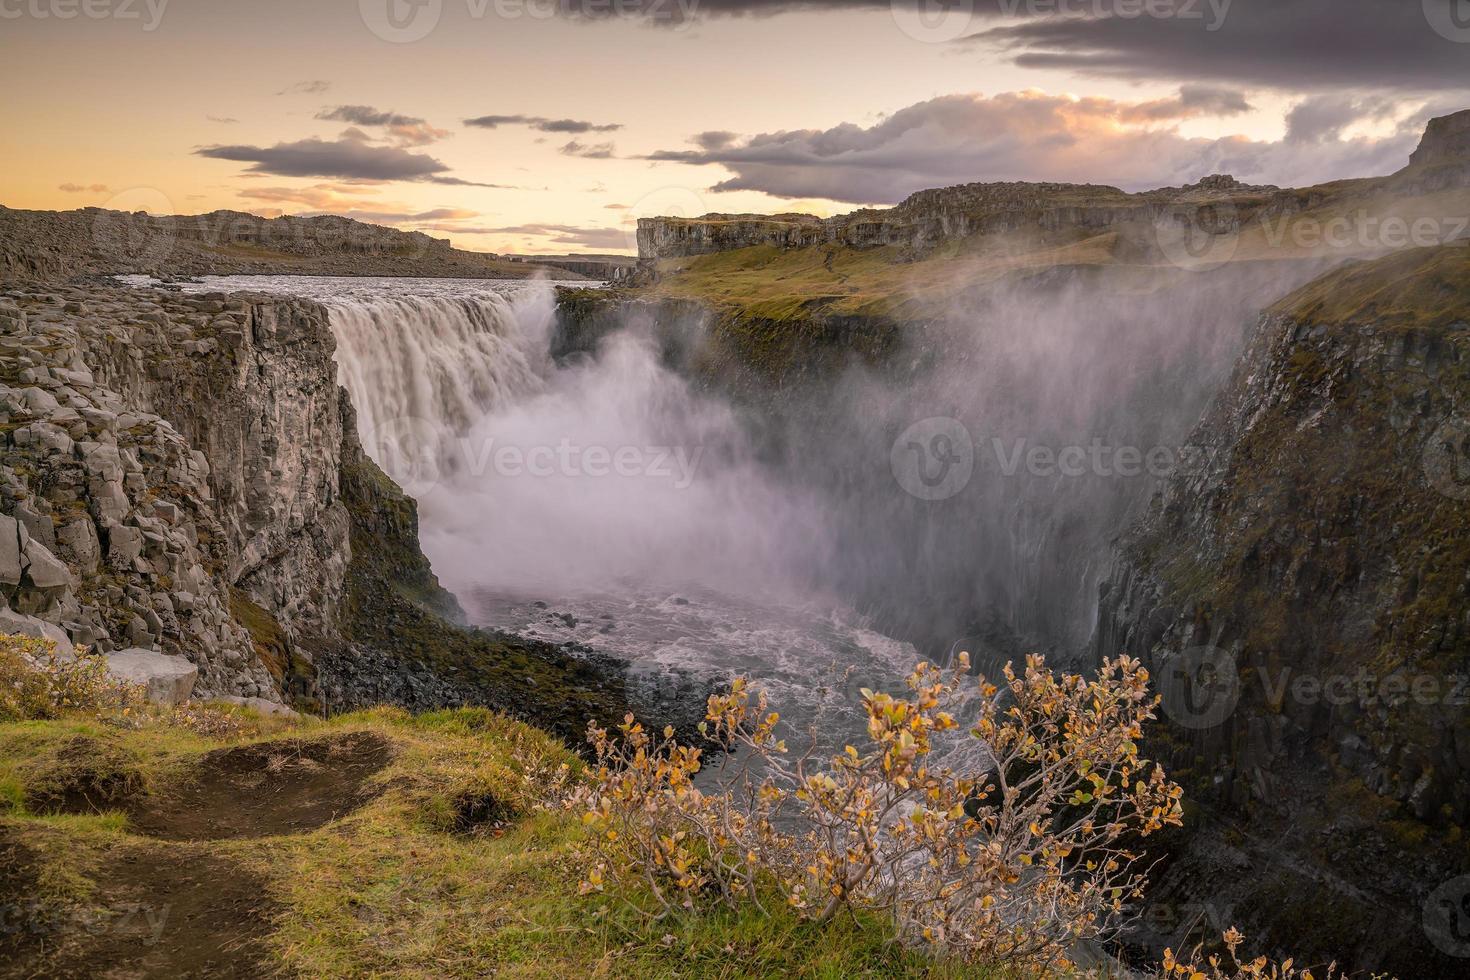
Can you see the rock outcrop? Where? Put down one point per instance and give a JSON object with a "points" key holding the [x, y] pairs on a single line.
{"points": [[51, 245], [1304, 604], [167, 680], [183, 483], [167, 456], [1056, 213]]}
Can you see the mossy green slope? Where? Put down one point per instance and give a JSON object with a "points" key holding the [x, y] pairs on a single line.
{"points": [[402, 886]]}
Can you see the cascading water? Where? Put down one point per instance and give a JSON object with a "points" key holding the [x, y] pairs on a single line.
{"points": [[601, 502], [605, 502]]}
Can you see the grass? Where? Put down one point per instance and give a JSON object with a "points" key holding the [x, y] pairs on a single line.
{"points": [[397, 889], [767, 282]]}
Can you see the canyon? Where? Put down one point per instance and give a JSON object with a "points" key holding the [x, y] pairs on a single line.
{"points": [[214, 472]]}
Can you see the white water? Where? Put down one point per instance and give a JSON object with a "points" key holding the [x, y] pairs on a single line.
{"points": [[690, 558]]}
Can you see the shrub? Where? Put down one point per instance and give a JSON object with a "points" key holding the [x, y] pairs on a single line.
{"points": [[1011, 864], [39, 682], [1230, 967]]}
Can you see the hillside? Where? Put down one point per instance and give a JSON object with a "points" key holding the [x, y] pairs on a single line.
{"points": [[1317, 566], [379, 844], [914, 260], [93, 241]]}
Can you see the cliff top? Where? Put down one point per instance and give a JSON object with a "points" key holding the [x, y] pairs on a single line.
{"points": [[95, 241]]}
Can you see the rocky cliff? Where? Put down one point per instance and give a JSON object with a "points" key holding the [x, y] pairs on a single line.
{"points": [[1304, 603], [183, 475], [1053, 214], [50, 245]]}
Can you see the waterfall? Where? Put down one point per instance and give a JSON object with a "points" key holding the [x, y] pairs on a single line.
{"points": [[422, 369]]}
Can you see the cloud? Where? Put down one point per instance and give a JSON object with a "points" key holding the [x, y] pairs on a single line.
{"points": [[543, 124], [222, 119], [404, 130], [1295, 45], [1323, 118], [714, 139], [1192, 101], [320, 197], [316, 87], [84, 188], [559, 234], [617, 207], [1298, 45], [343, 159], [589, 151], [1036, 136]]}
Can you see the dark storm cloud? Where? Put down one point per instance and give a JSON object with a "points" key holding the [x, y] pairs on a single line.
{"points": [[1035, 136], [543, 124], [344, 159], [1291, 44]]}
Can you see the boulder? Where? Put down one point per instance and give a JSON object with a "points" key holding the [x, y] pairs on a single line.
{"points": [[14, 623], [170, 680], [10, 565], [44, 569]]}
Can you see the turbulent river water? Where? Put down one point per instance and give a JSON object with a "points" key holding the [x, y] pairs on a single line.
{"points": [[600, 501]]}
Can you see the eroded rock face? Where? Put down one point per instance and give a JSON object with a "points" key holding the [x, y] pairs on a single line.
{"points": [[1446, 141], [931, 217], [1302, 601], [165, 457]]}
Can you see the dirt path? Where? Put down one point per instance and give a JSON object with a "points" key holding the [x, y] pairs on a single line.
{"points": [[179, 909], [263, 790]]}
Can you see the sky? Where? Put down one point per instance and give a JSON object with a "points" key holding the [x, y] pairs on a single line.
{"points": [[550, 126]]}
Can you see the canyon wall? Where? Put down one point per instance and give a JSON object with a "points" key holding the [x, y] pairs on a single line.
{"points": [[183, 475], [1303, 602], [51, 245]]}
